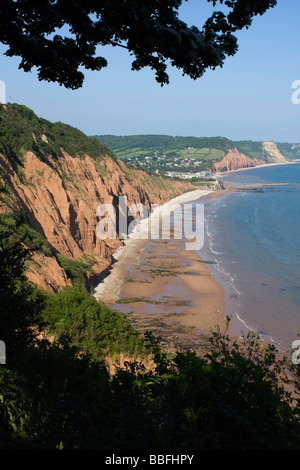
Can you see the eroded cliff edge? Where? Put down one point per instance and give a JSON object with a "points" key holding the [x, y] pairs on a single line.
{"points": [[235, 160], [59, 194]]}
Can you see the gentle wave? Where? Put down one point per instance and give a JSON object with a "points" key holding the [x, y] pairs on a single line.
{"points": [[253, 239]]}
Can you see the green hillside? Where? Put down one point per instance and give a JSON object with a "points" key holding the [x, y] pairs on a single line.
{"points": [[185, 153], [289, 150], [170, 153], [138, 148], [22, 130]]}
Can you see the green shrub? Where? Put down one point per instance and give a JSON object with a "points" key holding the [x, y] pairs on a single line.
{"points": [[60, 396], [17, 222], [90, 325]]}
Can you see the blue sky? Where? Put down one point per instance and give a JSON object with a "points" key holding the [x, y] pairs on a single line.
{"points": [[249, 98]]}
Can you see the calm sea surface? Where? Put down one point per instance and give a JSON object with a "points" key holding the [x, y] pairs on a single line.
{"points": [[253, 240]]}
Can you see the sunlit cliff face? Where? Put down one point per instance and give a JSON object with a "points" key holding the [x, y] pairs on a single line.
{"points": [[60, 198]]}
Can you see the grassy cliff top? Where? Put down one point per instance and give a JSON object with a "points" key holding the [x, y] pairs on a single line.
{"points": [[21, 130]]}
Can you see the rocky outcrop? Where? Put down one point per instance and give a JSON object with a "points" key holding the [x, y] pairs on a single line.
{"points": [[235, 160], [60, 197]]}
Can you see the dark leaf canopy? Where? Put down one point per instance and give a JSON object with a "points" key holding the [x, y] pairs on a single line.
{"points": [[60, 37]]}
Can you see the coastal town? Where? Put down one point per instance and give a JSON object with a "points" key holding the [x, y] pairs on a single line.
{"points": [[170, 165]]}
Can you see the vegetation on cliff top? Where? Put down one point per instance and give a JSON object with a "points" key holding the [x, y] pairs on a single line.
{"points": [[21, 130]]}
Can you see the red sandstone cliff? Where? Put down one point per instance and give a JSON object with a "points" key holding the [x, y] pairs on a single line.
{"points": [[60, 198], [234, 160]]}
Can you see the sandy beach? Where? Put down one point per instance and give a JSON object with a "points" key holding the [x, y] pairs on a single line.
{"points": [[166, 288]]}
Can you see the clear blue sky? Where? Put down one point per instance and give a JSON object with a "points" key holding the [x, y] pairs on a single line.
{"points": [[249, 98]]}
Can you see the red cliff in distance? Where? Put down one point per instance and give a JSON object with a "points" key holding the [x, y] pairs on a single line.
{"points": [[235, 160]]}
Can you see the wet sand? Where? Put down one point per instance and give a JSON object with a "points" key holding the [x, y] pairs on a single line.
{"points": [[167, 289]]}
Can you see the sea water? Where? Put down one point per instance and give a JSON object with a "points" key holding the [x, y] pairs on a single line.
{"points": [[252, 244]]}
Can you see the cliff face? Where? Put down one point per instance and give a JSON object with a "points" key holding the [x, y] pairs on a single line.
{"points": [[58, 177], [272, 153], [235, 160], [60, 196]]}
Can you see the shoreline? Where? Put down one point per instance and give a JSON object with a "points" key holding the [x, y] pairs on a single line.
{"points": [[138, 240], [171, 291], [226, 173], [270, 329], [165, 288]]}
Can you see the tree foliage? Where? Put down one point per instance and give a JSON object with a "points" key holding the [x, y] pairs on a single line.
{"points": [[61, 395], [20, 301], [78, 318], [59, 37]]}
